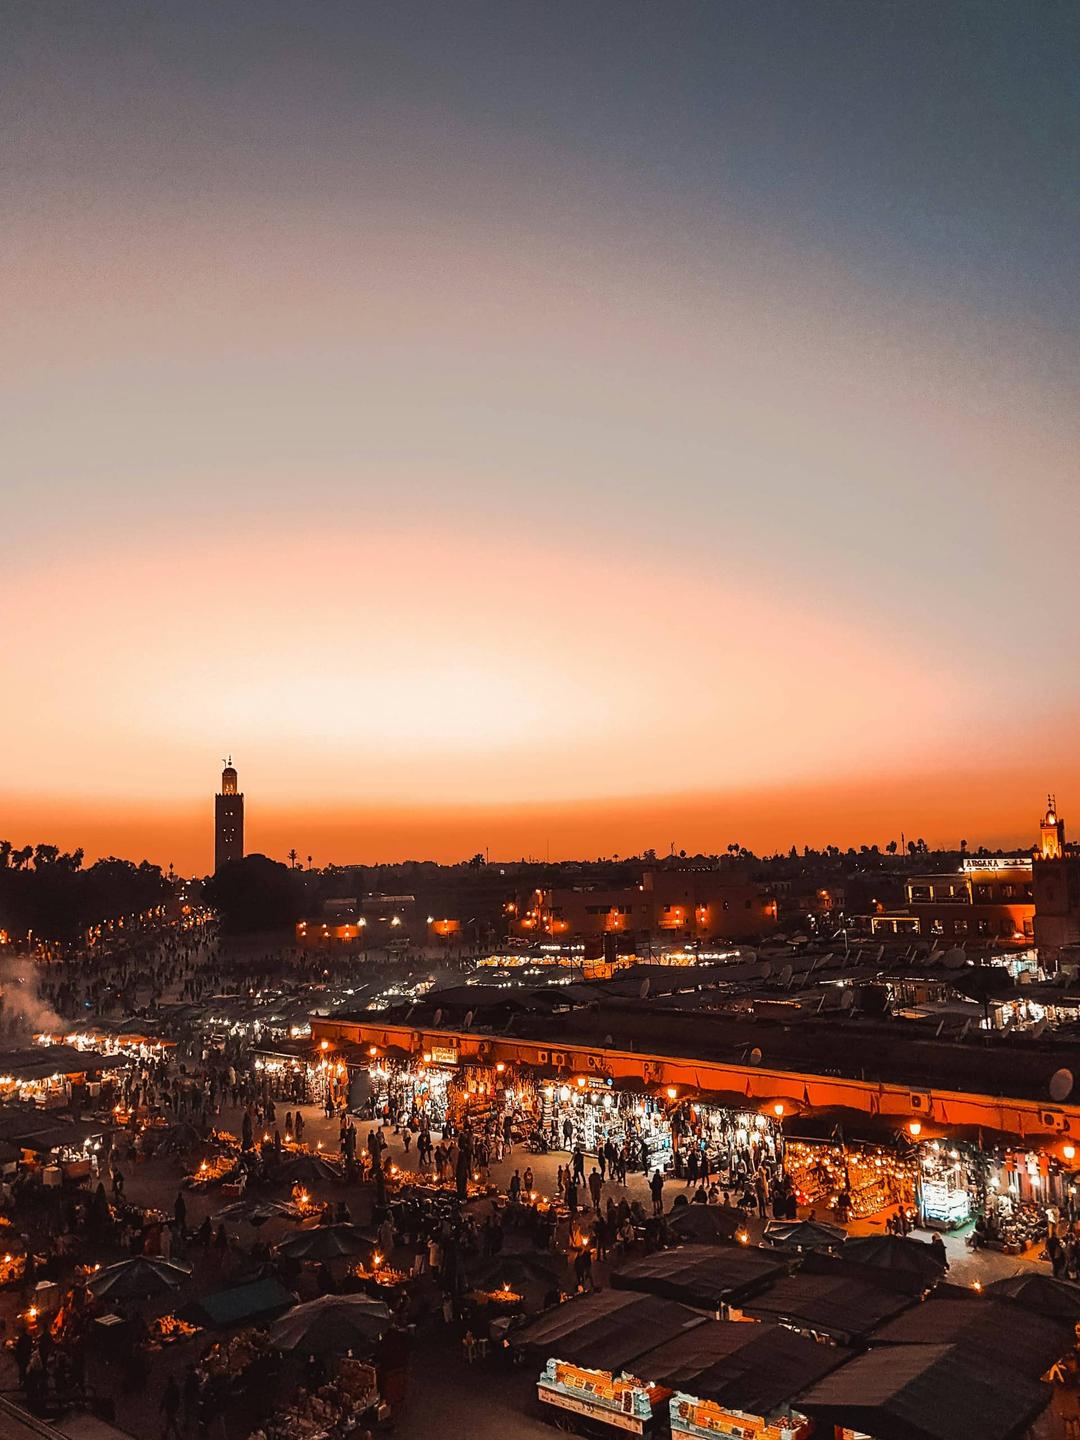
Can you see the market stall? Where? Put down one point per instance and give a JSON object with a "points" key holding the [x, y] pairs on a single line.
{"points": [[592, 1346], [852, 1164], [732, 1380]]}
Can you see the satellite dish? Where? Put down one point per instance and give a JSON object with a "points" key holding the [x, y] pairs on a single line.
{"points": [[643, 989], [436, 1019], [468, 1018], [764, 970], [609, 1040], [787, 974], [756, 1057], [955, 959], [847, 999], [1040, 1029], [1061, 1084]]}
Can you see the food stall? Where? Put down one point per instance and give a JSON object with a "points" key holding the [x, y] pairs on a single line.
{"points": [[736, 1381], [592, 1346], [621, 1401]]}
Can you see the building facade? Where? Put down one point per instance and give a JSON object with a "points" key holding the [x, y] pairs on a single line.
{"points": [[679, 906], [228, 819]]}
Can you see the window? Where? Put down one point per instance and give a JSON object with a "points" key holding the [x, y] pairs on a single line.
{"points": [[959, 927]]}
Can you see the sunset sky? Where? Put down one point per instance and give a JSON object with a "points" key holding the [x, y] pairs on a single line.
{"points": [[556, 427]]}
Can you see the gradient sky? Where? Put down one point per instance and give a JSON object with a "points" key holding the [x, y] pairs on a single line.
{"points": [[548, 426]]}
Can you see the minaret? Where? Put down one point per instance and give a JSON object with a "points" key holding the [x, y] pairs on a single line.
{"points": [[1052, 832], [228, 820]]}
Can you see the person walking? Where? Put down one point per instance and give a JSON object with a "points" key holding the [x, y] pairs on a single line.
{"points": [[656, 1189], [596, 1186], [170, 1407]]}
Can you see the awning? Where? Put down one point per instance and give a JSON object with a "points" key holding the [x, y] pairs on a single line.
{"points": [[754, 1368], [706, 1276], [925, 1392], [606, 1330], [241, 1305]]}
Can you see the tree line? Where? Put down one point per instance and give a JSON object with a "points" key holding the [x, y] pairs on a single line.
{"points": [[47, 892]]}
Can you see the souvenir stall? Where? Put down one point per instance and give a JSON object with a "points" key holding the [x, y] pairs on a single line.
{"points": [[289, 1071], [413, 1087], [950, 1182], [587, 1111], [854, 1179], [730, 1132], [1022, 1189], [338, 1407]]}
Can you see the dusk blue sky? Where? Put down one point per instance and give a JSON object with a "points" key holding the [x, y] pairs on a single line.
{"points": [[473, 414]]}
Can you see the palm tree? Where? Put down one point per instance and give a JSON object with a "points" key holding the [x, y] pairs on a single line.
{"points": [[5, 853], [292, 858]]}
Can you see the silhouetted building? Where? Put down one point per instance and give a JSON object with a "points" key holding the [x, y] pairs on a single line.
{"points": [[228, 820]]}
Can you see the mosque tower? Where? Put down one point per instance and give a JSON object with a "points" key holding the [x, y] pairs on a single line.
{"points": [[1052, 832], [228, 820]]}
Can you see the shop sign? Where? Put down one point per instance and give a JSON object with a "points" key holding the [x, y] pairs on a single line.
{"points": [[444, 1055]]}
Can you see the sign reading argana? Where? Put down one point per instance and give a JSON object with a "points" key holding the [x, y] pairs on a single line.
{"points": [[444, 1055]]}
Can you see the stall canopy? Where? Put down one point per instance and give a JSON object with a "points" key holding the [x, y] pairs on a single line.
{"points": [[607, 1330], [755, 1368], [844, 1307], [990, 1331], [804, 1235], [925, 1392], [241, 1305], [41, 1062], [141, 1275], [891, 1262], [704, 1224], [331, 1325], [31, 1130], [1058, 1299], [325, 1242], [705, 1276]]}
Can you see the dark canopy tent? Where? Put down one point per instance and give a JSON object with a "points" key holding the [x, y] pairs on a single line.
{"points": [[890, 1262], [925, 1392], [706, 1276], [241, 1305], [990, 1331], [846, 1308], [606, 1330], [755, 1368], [705, 1224], [1058, 1299]]}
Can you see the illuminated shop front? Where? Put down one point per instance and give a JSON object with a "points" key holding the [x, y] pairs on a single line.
{"points": [[852, 1179], [949, 1184]]}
